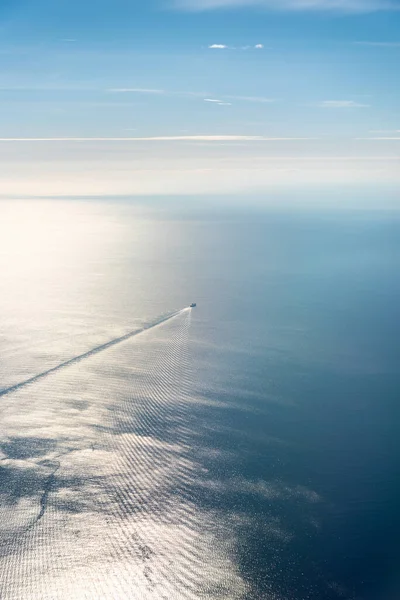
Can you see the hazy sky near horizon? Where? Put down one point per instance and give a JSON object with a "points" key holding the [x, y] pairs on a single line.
{"points": [[198, 96]]}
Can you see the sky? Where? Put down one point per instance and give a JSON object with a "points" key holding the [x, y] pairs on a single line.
{"points": [[128, 97]]}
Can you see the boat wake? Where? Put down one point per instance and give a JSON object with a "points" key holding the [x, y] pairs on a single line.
{"points": [[92, 351], [103, 493]]}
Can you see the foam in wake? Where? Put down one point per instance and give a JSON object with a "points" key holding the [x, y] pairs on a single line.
{"points": [[92, 351]]}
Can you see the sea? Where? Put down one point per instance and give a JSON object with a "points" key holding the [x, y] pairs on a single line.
{"points": [[243, 449]]}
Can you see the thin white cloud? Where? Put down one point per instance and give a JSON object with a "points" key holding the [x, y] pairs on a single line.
{"points": [[217, 102], [342, 6], [341, 104], [176, 138], [379, 44], [386, 131], [321, 158], [260, 99], [255, 47], [226, 47], [380, 138], [223, 100], [136, 91]]}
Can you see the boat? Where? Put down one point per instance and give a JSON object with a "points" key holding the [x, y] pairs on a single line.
{"points": [[193, 305]]}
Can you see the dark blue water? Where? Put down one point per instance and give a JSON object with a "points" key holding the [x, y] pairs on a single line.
{"points": [[245, 449]]}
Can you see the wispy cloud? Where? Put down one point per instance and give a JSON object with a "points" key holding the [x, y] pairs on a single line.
{"points": [[217, 102], [343, 6], [226, 47], [224, 100], [173, 138], [341, 104], [386, 131], [136, 91], [260, 99], [397, 138], [379, 44]]}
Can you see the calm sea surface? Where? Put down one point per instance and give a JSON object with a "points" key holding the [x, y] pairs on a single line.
{"points": [[245, 449]]}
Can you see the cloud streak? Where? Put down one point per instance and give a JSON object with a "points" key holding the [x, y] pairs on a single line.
{"points": [[386, 139], [341, 104], [217, 102], [222, 100], [342, 6], [136, 91], [379, 44], [384, 131], [172, 138], [257, 99], [226, 47]]}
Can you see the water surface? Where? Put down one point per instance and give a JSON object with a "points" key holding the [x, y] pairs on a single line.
{"points": [[246, 449]]}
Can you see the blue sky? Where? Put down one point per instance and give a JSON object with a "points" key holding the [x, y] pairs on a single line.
{"points": [[214, 95]]}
